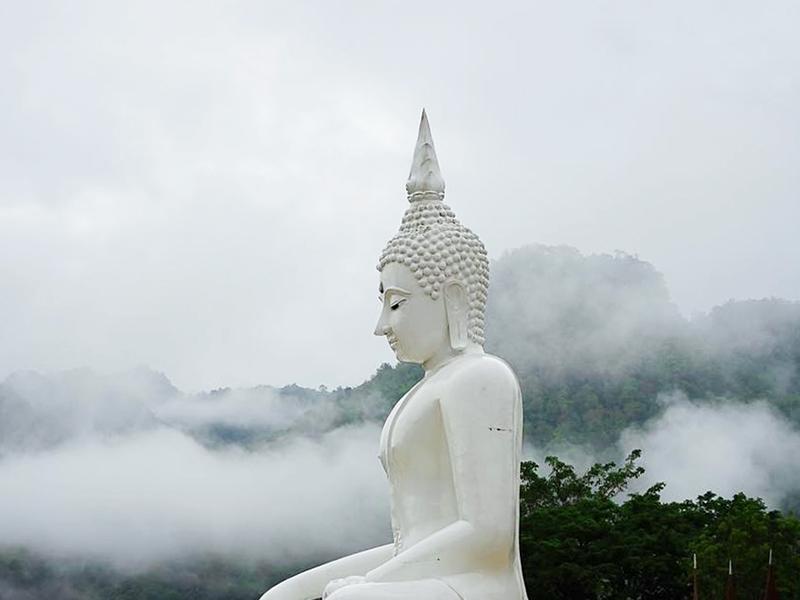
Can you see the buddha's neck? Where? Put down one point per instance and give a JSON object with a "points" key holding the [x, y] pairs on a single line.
{"points": [[447, 354]]}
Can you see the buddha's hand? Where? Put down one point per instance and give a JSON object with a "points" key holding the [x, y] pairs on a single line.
{"points": [[338, 584]]}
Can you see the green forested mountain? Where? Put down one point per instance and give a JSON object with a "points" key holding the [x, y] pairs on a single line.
{"points": [[594, 341]]}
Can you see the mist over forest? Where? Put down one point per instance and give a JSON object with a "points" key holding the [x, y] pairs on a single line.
{"points": [[127, 471]]}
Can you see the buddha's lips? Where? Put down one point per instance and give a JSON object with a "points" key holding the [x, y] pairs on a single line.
{"points": [[392, 341]]}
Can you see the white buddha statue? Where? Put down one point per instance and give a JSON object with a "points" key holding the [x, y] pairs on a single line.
{"points": [[451, 446]]}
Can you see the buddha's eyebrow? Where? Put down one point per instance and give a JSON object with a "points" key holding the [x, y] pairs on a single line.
{"points": [[397, 290]]}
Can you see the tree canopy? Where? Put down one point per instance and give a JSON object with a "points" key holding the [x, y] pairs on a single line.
{"points": [[580, 539]]}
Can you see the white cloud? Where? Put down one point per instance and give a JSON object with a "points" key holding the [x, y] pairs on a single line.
{"points": [[726, 447], [148, 497]]}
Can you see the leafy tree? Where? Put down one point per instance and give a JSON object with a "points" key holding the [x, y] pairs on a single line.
{"points": [[579, 541]]}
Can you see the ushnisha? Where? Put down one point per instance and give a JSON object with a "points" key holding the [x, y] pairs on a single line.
{"points": [[433, 243], [451, 446]]}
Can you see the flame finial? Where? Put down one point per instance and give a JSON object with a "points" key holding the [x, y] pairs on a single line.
{"points": [[425, 180]]}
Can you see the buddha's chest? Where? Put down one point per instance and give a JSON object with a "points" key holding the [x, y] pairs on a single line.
{"points": [[413, 441]]}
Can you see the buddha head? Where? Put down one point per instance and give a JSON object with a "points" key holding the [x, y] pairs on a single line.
{"points": [[434, 271]]}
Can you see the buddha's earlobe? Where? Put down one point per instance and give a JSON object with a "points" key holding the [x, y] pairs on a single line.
{"points": [[456, 307]]}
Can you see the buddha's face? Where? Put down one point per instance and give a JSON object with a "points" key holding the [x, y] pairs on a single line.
{"points": [[414, 323]]}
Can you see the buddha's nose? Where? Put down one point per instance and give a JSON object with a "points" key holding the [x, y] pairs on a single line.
{"points": [[381, 328]]}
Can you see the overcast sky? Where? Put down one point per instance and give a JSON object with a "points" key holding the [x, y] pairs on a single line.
{"points": [[205, 187]]}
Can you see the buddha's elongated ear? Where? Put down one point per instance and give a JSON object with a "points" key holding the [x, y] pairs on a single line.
{"points": [[456, 307]]}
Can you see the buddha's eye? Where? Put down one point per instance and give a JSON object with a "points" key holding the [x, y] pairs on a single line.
{"points": [[397, 304]]}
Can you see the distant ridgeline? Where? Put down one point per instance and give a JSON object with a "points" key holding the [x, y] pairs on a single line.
{"points": [[594, 340]]}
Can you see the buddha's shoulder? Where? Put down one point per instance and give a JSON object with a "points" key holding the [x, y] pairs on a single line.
{"points": [[482, 372]]}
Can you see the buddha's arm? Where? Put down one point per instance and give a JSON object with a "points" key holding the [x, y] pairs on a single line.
{"points": [[482, 422], [309, 584]]}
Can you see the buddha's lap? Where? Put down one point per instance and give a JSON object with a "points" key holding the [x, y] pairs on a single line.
{"points": [[424, 589]]}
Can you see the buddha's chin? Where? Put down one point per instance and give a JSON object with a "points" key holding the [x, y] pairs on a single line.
{"points": [[400, 354]]}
